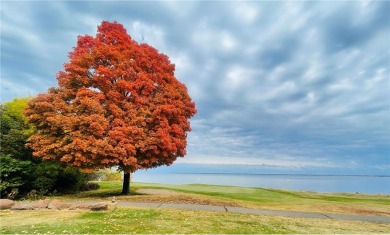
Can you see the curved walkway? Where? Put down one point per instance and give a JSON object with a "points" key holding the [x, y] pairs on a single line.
{"points": [[242, 210], [232, 209]]}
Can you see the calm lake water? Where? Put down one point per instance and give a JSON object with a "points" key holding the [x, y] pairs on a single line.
{"points": [[317, 183]]}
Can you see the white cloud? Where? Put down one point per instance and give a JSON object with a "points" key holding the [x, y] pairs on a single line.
{"points": [[237, 79], [246, 12], [228, 41], [209, 39], [183, 65], [15, 90], [146, 33]]}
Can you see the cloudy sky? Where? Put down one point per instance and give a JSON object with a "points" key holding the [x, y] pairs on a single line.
{"points": [[280, 87]]}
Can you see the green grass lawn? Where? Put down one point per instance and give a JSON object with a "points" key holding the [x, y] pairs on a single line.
{"points": [[139, 220], [159, 221], [252, 198]]}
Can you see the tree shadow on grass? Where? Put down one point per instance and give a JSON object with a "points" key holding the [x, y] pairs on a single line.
{"points": [[103, 194]]}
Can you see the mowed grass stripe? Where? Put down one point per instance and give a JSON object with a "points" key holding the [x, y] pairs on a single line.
{"points": [[163, 221], [273, 199]]}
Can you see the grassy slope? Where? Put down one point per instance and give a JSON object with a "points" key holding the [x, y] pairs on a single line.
{"points": [[158, 221], [255, 198], [136, 220]]}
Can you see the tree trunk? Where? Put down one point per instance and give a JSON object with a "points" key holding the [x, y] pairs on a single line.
{"points": [[126, 184]]}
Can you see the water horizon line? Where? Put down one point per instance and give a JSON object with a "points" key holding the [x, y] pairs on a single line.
{"points": [[264, 174]]}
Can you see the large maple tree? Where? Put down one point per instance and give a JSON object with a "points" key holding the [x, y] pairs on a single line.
{"points": [[117, 103]]}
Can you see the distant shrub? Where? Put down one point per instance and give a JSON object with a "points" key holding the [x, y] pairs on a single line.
{"points": [[105, 175], [90, 186], [113, 176], [97, 176]]}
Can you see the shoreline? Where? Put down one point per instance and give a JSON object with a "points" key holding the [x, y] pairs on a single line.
{"points": [[351, 184], [260, 174]]}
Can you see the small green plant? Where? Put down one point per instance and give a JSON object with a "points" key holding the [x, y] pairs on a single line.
{"points": [[13, 194], [33, 195]]}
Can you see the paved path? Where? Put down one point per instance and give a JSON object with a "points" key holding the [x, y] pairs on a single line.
{"points": [[242, 210]]}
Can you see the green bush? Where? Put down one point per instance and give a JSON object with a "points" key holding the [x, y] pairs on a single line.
{"points": [[14, 174], [90, 186], [45, 177], [36, 179], [14, 131], [22, 174], [70, 179]]}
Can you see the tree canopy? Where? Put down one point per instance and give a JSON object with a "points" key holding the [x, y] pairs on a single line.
{"points": [[117, 103]]}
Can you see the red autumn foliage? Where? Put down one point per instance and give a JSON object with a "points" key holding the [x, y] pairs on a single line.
{"points": [[117, 103]]}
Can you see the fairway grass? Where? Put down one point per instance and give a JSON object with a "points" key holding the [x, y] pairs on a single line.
{"points": [[358, 204], [162, 221]]}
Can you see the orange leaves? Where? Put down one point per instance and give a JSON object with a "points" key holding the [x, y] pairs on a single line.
{"points": [[97, 129], [105, 72], [66, 158], [117, 103], [124, 86], [88, 102], [176, 130], [115, 110], [84, 46], [130, 149], [112, 34]]}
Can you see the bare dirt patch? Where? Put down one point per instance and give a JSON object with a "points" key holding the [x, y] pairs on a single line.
{"points": [[168, 196], [365, 211]]}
